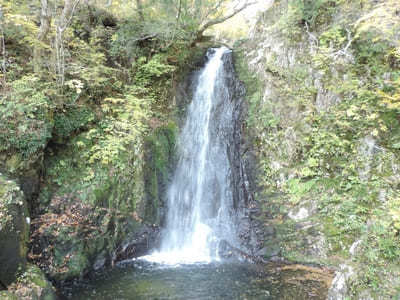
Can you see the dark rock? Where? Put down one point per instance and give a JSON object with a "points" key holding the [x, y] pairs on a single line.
{"points": [[100, 262], [138, 243], [14, 230], [159, 158]]}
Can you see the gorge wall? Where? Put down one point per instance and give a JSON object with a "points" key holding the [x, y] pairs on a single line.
{"points": [[322, 81], [86, 170]]}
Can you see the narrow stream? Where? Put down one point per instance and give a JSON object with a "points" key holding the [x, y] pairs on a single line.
{"points": [[201, 217]]}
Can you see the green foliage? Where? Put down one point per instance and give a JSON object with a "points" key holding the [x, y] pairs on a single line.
{"points": [[317, 12], [90, 74], [123, 47], [300, 14], [102, 165], [121, 129], [148, 71], [73, 119], [334, 37], [25, 118], [298, 189]]}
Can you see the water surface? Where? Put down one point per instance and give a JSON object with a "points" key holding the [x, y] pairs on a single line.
{"points": [[143, 280]]}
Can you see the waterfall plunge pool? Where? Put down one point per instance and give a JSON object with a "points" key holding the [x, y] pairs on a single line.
{"points": [[229, 280], [201, 213]]}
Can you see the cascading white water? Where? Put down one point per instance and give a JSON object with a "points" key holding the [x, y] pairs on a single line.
{"points": [[200, 201]]}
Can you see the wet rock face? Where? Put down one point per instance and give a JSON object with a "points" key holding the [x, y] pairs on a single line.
{"points": [[14, 230], [243, 165], [239, 150]]}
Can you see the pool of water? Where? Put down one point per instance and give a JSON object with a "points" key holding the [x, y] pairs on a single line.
{"points": [[143, 280]]}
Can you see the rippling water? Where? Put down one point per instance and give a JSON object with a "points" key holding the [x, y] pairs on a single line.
{"points": [[143, 280]]}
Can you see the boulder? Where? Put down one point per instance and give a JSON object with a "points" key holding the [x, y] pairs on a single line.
{"points": [[31, 285]]}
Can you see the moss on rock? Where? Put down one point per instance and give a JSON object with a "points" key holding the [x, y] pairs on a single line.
{"points": [[14, 230], [159, 158], [32, 284]]}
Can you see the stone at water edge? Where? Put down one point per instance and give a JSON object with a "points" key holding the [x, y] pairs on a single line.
{"points": [[14, 230], [30, 285]]}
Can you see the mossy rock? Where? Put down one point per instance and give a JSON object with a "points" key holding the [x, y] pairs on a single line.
{"points": [[78, 239], [73, 170], [159, 159], [14, 230], [30, 285], [25, 170]]}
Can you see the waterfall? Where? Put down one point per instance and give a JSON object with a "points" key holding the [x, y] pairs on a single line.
{"points": [[200, 199]]}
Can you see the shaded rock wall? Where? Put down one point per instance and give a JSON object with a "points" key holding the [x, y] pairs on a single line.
{"points": [[318, 78]]}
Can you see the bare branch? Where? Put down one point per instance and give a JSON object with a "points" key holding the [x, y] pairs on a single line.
{"points": [[178, 14], [344, 51], [143, 38], [222, 19], [313, 40], [67, 14], [45, 18]]}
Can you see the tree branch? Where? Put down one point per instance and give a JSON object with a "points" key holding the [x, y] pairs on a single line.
{"points": [[62, 24], [143, 38], [313, 40], [213, 22], [344, 51], [178, 14], [214, 9]]}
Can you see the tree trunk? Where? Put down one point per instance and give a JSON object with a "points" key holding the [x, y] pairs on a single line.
{"points": [[178, 14], [3, 51], [61, 25], [45, 21], [139, 7]]}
